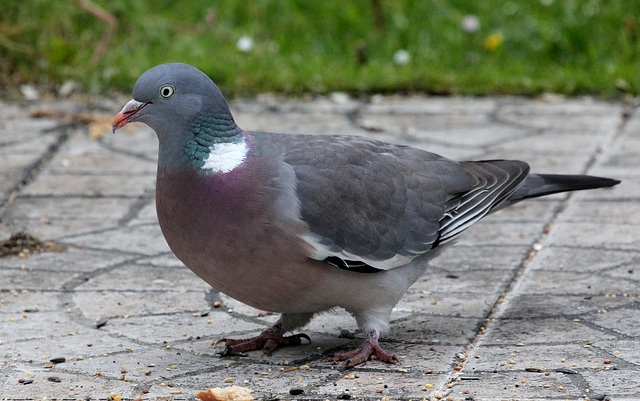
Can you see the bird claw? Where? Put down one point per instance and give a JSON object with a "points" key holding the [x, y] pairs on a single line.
{"points": [[370, 347], [268, 341]]}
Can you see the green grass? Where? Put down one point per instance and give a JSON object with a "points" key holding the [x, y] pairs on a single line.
{"points": [[564, 46]]}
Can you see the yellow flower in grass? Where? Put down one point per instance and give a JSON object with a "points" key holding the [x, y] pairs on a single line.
{"points": [[493, 41]]}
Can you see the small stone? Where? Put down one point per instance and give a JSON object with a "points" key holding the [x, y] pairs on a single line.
{"points": [[339, 97], [54, 379], [57, 360], [29, 92], [67, 88], [344, 396], [567, 371], [296, 391]]}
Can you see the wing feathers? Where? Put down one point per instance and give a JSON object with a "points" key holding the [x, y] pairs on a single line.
{"points": [[497, 181], [382, 205]]}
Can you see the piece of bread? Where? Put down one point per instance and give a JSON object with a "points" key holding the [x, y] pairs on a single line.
{"points": [[232, 393]]}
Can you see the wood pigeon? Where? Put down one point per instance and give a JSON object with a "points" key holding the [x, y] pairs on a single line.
{"points": [[300, 224]]}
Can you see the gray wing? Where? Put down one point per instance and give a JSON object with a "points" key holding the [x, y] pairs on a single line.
{"points": [[382, 205]]}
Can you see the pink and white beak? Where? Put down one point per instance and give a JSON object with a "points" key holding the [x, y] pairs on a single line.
{"points": [[129, 113]]}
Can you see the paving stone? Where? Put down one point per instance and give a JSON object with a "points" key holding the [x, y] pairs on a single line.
{"points": [[142, 239], [603, 235], [591, 260], [84, 155], [171, 327], [72, 260], [508, 332], [68, 208], [549, 357], [132, 277], [125, 303], [89, 185], [23, 279], [509, 385], [548, 305]]}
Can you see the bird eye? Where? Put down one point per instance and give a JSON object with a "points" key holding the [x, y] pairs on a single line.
{"points": [[166, 91]]}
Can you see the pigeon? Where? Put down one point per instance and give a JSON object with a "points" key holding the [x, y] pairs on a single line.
{"points": [[301, 224]]}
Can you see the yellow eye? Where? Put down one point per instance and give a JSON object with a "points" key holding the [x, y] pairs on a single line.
{"points": [[166, 91]]}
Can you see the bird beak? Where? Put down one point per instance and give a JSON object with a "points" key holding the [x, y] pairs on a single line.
{"points": [[128, 114]]}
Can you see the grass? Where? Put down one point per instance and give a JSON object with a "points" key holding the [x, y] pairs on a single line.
{"points": [[521, 46]]}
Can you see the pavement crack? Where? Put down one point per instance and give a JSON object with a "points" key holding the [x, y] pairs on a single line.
{"points": [[34, 170], [135, 208]]}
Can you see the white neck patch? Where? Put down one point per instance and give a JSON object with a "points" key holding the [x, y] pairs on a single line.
{"points": [[225, 157]]}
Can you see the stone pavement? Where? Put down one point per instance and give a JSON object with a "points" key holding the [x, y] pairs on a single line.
{"points": [[539, 301]]}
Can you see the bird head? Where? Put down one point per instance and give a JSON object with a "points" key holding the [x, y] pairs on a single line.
{"points": [[169, 95]]}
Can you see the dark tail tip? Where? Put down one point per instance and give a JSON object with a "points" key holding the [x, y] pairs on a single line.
{"points": [[546, 184], [577, 182]]}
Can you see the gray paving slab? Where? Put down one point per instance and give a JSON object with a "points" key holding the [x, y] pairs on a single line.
{"points": [[537, 302]]}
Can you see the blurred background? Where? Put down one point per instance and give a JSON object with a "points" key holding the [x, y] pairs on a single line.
{"points": [[309, 46]]}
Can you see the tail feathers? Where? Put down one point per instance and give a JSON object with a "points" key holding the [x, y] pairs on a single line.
{"points": [[546, 184]]}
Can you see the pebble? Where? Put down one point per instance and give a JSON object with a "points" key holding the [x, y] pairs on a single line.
{"points": [[296, 391], [567, 371], [57, 360], [54, 379], [29, 92]]}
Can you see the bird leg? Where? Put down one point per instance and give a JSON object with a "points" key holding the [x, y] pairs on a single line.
{"points": [[268, 341], [361, 355]]}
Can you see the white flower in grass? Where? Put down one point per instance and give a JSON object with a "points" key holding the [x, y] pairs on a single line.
{"points": [[401, 57], [245, 44], [470, 24]]}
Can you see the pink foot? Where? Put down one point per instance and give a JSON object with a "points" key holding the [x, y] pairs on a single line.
{"points": [[361, 355], [268, 341]]}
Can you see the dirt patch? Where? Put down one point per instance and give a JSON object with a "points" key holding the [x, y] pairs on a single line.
{"points": [[23, 244]]}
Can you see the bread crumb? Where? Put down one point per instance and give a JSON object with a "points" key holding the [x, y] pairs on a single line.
{"points": [[232, 393]]}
